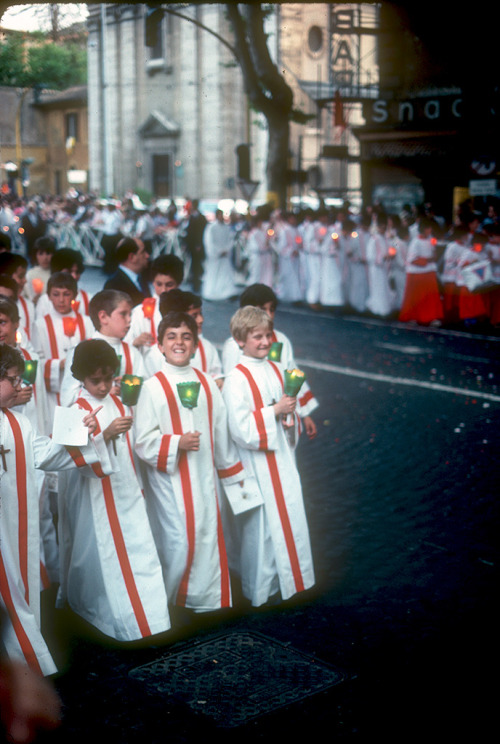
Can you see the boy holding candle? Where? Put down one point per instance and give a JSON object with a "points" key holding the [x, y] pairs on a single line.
{"points": [[182, 436], [22, 452], [111, 573], [274, 551], [110, 312], [263, 297]]}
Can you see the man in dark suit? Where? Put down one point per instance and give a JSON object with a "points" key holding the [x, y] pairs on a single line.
{"points": [[33, 226], [132, 260]]}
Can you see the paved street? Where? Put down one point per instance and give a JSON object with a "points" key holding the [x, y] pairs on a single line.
{"points": [[401, 489]]}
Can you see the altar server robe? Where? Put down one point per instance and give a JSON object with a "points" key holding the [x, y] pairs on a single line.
{"points": [[232, 354], [25, 451], [110, 569], [274, 552], [52, 345], [182, 487], [145, 319]]}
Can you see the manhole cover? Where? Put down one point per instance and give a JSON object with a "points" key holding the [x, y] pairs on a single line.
{"points": [[236, 677]]}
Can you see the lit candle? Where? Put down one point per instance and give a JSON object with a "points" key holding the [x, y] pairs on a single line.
{"points": [[37, 285], [275, 351], [148, 307], [75, 304], [294, 379], [188, 394], [69, 325], [392, 251], [29, 374], [130, 387]]}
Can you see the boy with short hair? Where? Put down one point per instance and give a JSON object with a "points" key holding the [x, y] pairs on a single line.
{"points": [[263, 297], [110, 312], [206, 357], [71, 261], [167, 273], [186, 449], [54, 334], [274, 549], [111, 573], [22, 451], [16, 266]]}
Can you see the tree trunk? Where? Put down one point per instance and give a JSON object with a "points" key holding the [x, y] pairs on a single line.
{"points": [[277, 158]]}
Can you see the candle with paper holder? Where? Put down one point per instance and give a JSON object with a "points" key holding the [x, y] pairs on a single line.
{"points": [[188, 394], [130, 387], [69, 325], [148, 307], [30, 369], [37, 285], [294, 379], [275, 351]]}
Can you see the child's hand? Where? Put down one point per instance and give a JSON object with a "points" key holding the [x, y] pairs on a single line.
{"points": [[285, 405], [90, 420], [118, 426], [24, 395], [310, 427], [144, 339], [190, 442]]}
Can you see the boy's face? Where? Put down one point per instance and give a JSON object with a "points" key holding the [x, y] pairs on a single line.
{"points": [[8, 330], [178, 345], [61, 298], [257, 343], [269, 308], [164, 283], [117, 324], [99, 383], [19, 276], [197, 315], [9, 387], [43, 259]]}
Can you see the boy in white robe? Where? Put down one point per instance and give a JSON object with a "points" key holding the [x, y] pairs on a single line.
{"points": [[22, 451], [274, 552], [110, 312], [57, 332], [110, 570], [263, 297], [167, 273], [186, 452]]}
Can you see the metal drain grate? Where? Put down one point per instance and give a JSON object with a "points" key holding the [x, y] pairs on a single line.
{"points": [[236, 677]]}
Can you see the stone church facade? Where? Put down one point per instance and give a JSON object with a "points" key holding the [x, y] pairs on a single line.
{"points": [[167, 119]]}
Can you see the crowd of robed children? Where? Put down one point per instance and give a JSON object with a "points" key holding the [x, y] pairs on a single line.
{"points": [[171, 498]]}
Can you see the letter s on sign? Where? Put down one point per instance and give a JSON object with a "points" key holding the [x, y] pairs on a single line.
{"points": [[379, 113]]}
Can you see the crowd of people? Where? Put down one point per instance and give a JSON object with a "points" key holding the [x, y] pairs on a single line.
{"points": [[413, 266], [142, 473]]}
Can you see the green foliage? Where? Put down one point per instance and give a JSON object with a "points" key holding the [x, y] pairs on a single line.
{"points": [[52, 65]]}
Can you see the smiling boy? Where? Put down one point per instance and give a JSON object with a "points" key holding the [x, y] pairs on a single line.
{"points": [[118, 586], [274, 551], [186, 452]]}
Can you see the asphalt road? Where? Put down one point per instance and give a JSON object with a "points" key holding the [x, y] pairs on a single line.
{"points": [[401, 491]]}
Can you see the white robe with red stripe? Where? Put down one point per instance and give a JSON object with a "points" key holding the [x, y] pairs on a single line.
{"points": [[44, 305], [274, 551], [27, 314], [131, 363], [52, 345], [145, 319], [110, 571], [182, 487], [232, 354], [20, 528]]}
